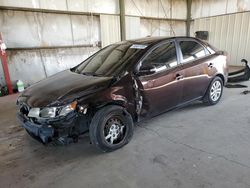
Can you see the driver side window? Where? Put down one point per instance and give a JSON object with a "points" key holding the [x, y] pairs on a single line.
{"points": [[161, 58]]}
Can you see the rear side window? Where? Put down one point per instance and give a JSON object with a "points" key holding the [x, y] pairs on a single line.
{"points": [[162, 58], [191, 50]]}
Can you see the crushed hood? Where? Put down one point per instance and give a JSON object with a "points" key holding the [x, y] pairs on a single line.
{"points": [[63, 87]]}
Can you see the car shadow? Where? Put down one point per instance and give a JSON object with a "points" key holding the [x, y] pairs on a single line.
{"points": [[83, 149]]}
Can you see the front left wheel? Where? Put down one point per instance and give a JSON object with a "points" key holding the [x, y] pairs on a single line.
{"points": [[111, 128]]}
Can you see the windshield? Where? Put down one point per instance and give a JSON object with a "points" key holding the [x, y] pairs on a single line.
{"points": [[109, 61]]}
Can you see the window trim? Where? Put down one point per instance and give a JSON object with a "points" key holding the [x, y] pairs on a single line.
{"points": [[207, 53], [147, 53]]}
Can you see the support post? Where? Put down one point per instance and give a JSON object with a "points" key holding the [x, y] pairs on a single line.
{"points": [[189, 19], [122, 19], [5, 67]]}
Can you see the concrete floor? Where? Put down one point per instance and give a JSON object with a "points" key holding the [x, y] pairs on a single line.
{"points": [[197, 146]]}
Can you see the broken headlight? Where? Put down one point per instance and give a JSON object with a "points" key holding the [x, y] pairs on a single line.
{"points": [[68, 108], [51, 112], [48, 112]]}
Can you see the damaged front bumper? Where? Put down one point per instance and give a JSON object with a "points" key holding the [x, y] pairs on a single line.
{"points": [[43, 132], [49, 130]]}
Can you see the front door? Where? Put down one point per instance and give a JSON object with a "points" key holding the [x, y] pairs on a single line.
{"points": [[161, 88]]}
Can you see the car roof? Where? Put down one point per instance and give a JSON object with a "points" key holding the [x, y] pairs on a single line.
{"points": [[155, 40]]}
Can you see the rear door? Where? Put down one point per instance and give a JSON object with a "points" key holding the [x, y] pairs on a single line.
{"points": [[196, 68], [162, 89]]}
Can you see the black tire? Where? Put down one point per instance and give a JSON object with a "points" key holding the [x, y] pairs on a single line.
{"points": [[103, 122], [208, 98]]}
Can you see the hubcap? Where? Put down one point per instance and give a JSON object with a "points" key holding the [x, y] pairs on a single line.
{"points": [[114, 131], [215, 91]]}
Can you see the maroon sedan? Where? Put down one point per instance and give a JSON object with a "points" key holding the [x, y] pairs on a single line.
{"points": [[121, 84]]}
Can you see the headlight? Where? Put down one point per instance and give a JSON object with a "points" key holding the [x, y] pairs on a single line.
{"points": [[67, 109], [48, 112], [51, 112]]}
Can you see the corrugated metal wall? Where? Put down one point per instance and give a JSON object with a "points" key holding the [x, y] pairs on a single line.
{"points": [[36, 29], [133, 25], [152, 18], [229, 32], [162, 28], [208, 8], [110, 29], [94, 6], [157, 8], [34, 65], [50, 32], [60, 34]]}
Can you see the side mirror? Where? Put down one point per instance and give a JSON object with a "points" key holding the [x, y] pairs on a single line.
{"points": [[146, 70]]}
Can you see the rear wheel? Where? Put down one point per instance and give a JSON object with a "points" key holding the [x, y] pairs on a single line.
{"points": [[214, 92], [111, 128]]}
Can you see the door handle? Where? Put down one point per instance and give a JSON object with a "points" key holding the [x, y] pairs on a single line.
{"points": [[179, 77], [210, 65]]}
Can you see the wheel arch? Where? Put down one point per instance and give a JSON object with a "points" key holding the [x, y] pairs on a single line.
{"points": [[109, 103], [222, 78], [120, 103], [217, 75]]}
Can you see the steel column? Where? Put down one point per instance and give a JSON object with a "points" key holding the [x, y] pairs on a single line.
{"points": [[122, 19], [189, 19], [5, 68]]}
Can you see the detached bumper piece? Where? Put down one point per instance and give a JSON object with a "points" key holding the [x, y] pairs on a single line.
{"points": [[241, 75], [44, 132]]}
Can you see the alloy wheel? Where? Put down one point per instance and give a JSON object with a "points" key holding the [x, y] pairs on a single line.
{"points": [[114, 130], [215, 91]]}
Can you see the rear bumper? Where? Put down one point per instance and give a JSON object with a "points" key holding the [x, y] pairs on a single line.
{"points": [[44, 132]]}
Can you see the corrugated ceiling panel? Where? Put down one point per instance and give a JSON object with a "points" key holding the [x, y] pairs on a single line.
{"points": [[230, 33], [110, 29]]}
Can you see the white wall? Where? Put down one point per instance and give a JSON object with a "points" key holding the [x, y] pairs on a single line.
{"points": [[33, 65], [142, 18], [157, 8], [36, 29], [228, 23], [95, 6], [110, 29], [230, 33], [208, 8], [59, 28]]}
